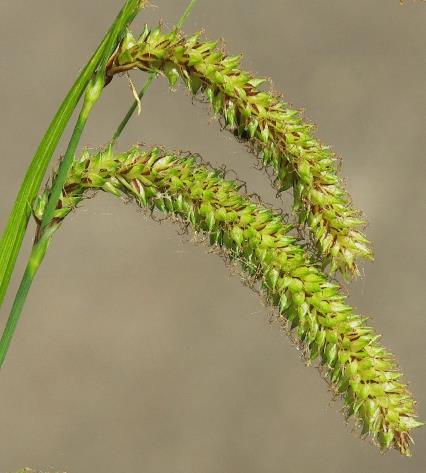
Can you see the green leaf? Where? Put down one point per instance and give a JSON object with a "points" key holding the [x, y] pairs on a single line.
{"points": [[16, 226]]}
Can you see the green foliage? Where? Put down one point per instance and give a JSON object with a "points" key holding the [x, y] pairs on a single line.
{"points": [[314, 310], [309, 305], [15, 229]]}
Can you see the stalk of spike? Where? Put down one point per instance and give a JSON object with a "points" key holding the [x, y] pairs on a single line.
{"points": [[273, 130], [354, 362]]}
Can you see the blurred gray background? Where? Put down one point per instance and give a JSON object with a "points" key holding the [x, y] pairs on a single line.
{"points": [[137, 351]]}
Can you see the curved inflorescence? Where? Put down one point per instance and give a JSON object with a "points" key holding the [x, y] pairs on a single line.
{"points": [[273, 130], [313, 309]]}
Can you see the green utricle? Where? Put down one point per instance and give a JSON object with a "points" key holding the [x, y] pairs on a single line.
{"points": [[274, 131], [312, 308]]}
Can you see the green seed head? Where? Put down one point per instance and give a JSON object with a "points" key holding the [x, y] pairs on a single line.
{"points": [[353, 360], [274, 131]]}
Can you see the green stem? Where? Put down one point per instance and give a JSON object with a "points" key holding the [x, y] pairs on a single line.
{"points": [[17, 223], [46, 230], [150, 79], [186, 14], [34, 262], [132, 109], [93, 92]]}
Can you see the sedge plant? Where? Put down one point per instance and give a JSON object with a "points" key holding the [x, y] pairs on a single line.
{"points": [[295, 279]]}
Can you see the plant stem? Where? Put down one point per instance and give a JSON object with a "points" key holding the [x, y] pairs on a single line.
{"points": [[186, 14], [37, 255], [92, 95], [132, 109], [46, 231], [93, 92], [17, 223], [150, 79]]}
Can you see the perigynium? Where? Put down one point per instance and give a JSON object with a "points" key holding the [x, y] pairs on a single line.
{"points": [[272, 129], [312, 308], [294, 280]]}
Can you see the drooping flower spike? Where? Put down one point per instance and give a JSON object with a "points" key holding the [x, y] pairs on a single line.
{"points": [[273, 130], [313, 309]]}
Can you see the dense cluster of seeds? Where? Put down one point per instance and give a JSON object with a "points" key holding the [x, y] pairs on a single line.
{"points": [[313, 309], [273, 130]]}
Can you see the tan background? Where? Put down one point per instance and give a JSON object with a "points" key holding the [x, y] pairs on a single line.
{"points": [[137, 351]]}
